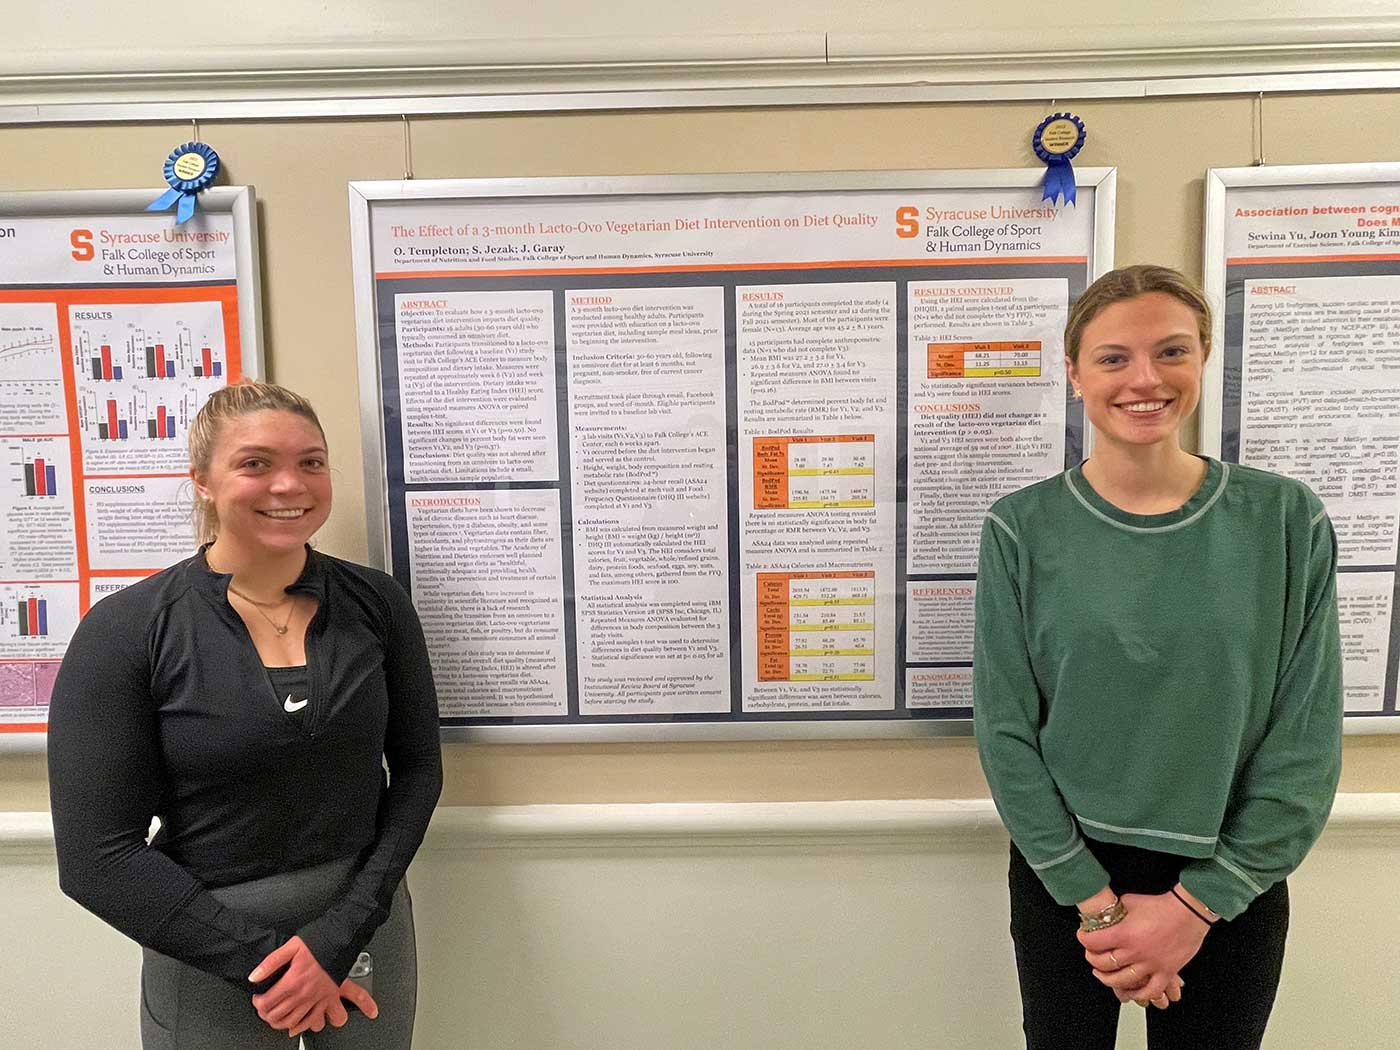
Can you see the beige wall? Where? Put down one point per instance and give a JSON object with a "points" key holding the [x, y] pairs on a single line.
{"points": [[299, 169]]}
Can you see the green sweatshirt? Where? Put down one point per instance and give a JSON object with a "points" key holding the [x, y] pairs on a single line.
{"points": [[1169, 681]]}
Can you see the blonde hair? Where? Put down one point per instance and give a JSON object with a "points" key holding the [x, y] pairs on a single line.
{"points": [[230, 402], [1129, 282]]}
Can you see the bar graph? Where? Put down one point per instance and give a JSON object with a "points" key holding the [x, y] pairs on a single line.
{"points": [[163, 425], [37, 619], [167, 341], [33, 617], [148, 415], [37, 467], [40, 478], [210, 367], [112, 426], [141, 356], [117, 423], [102, 367]]}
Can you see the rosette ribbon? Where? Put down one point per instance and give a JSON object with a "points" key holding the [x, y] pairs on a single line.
{"points": [[189, 169], [1057, 141]]}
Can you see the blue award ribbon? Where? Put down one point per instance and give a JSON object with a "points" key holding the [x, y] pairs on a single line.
{"points": [[189, 169], [1057, 141]]}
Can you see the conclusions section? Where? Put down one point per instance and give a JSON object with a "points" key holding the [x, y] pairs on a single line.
{"points": [[986, 406]]}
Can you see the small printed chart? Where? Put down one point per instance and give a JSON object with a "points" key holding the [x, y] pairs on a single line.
{"points": [[816, 626], [156, 341], [814, 472], [27, 352], [1013, 359]]}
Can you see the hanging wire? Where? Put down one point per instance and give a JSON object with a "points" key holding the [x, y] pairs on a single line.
{"points": [[1259, 126], [407, 150], [194, 129]]}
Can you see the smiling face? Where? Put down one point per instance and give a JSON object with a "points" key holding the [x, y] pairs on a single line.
{"points": [[269, 481], [1139, 369]]}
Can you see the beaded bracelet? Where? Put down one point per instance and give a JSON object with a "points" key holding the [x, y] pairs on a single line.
{"points": [[1104, 918]]}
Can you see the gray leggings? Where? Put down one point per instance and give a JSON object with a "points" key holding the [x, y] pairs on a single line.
{"points": [[183, 1008]]}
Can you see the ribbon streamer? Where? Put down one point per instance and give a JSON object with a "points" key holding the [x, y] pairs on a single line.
{"points": [[1059, 182], [1057, 141]]}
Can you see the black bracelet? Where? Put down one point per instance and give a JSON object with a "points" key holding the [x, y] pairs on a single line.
{"points": [[1189, 908]]}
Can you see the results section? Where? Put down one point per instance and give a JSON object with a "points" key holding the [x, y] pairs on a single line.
{"points": [[817, 369]]}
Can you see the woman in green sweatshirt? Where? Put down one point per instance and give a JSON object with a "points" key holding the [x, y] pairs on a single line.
{"points": [[1158, 696]]}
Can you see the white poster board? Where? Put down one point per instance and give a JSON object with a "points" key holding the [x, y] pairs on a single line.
{"points": [[709, 456], [115, 326], [1303, 266]]}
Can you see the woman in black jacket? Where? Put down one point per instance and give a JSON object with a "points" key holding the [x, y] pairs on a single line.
{"points": [[250, 698]]}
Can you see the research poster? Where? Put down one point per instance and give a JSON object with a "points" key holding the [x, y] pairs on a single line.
{"points": [[114, 330], [713, 456], [1309, 381]]}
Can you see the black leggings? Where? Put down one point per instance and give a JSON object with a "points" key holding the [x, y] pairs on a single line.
{"points": [[1229, 986]]}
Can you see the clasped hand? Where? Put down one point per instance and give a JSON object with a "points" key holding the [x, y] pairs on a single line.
{"points": [[305, 997], [1141, 958]]}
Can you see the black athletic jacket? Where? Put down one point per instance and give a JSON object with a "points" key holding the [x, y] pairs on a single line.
{"points": [[162, 708]]}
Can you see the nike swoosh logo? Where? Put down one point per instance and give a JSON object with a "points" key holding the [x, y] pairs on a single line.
{"points": [[290, 707]]}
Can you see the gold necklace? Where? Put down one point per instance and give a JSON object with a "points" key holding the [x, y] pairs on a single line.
{"points": [[280, 628]]}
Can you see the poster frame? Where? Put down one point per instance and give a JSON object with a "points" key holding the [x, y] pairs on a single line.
{"points": [[363, 196], [238, 201], [1218, 183]]}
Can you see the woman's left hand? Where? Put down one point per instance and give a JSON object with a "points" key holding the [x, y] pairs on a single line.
{"points": [[1139, 956], [304, 986]]}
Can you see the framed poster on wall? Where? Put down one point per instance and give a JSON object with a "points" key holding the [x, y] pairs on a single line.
{"points": [[1303, 264], [709, 456], [115, 326]]}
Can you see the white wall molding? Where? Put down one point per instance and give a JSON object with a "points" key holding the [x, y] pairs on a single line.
{"points": [[282, 61], [773, 926], [715, 824]]}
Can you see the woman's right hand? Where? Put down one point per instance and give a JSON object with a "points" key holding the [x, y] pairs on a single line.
{"points": [[352, 992], [333, 1012], [302, 993], [1171, 995], [1140, 956]]}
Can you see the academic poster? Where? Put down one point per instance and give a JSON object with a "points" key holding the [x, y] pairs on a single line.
{"points": [[115, 327], [1306, 264], [712, 454]]}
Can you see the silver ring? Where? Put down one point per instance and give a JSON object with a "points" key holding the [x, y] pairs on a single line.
{"points": [[1116, 964]]}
